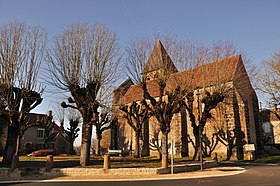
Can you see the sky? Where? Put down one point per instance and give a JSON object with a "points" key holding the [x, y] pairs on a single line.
{"points": [[252, 25]]}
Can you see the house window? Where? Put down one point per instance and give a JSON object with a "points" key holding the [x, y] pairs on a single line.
{"points": [[40, 133]]}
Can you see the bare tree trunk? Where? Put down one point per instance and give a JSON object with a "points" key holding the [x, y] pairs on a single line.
{"points": [[184, 134], [11, 146], [98, 138], [197, 143], [145, 137], [137, 144], [98, 146], [72, 151], [196, 149], [164, 150], [229, 152], [86, 143], [164, 139]]}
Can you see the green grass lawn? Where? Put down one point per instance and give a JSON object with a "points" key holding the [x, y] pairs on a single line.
{"points": [[117, 162], [97, 162], [268, 159]]}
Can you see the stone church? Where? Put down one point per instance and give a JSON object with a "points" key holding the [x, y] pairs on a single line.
{"points": [[235, 120]]}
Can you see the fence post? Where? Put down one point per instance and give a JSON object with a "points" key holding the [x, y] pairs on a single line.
{"points": [[49, 163], [106, 164]]}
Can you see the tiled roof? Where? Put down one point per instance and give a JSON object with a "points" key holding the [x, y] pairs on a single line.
{"points": [[206, 75], [126, 83], [36, 119], [159, 59], [203, 76], [135, 92], [56, 127]]}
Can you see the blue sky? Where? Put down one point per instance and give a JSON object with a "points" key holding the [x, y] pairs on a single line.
{"points": [[252, 25]]}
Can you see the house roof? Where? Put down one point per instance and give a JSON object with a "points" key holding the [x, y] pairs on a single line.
{"points": [[56, 127], [159, 59], [57, 132], [126, 83], [31, 118], [207, 75], [36, 119], [135, 92]]}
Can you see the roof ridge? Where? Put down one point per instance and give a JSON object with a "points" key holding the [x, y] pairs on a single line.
{"points": [[208, 64]]}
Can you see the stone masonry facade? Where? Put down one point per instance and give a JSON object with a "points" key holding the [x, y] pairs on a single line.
{"points": [[238, 112]]}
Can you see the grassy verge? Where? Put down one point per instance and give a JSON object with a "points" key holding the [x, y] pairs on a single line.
{"points": [[268, 159], [97, 162]]}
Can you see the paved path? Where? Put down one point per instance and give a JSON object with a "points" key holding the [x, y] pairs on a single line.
{"points": [[109, 179], [255, 175]]}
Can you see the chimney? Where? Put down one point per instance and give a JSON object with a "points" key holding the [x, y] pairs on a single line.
{"points": [[61, 126], [49, 115]]}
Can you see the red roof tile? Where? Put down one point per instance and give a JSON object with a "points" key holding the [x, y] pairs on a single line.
{"points": [[135, 92], [206, 75]]}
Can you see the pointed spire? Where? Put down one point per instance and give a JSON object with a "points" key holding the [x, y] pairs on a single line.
{"points": [[159, 59]]}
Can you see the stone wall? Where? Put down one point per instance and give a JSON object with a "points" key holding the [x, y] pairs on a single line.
{"points": [[276, 131], [231, 115]]}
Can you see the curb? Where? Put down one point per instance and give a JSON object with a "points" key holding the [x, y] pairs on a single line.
{"points": [[128, 171], [5, 172], [235, 171]]}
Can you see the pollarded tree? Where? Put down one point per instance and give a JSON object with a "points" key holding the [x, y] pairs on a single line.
{"points": [[210, 101], [72, 131], [222, 132], [83, 59], [155, 142], [163, 110], [22, 50], [136, 115], [104, 122], [199, 79], [106, 118], [74, 119]]}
